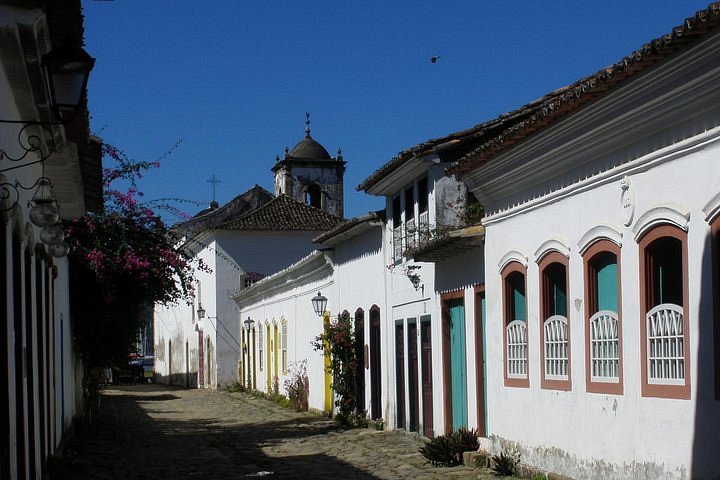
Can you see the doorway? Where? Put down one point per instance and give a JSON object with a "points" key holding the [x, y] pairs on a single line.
{"points": [[455, 368], [375, 366], [481, 384], [413, 401], [399, 374], [427, 382], [359, 354]]}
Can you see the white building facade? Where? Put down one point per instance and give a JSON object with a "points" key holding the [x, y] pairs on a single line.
{"points": [[40, 372], [601, 268]]}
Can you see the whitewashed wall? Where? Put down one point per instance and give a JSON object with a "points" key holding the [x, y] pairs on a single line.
{"points": [[291, 303], [602, 435], [360, 282], [229, 254]]}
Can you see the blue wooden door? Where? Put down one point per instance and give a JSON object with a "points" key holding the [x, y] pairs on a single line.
{"points": [[458, 370]]}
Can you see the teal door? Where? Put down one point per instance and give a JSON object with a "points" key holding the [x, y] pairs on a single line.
{"points": [[458, 370]]}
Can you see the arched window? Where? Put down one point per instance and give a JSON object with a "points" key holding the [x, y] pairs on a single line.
{"points": [[554, 327], [313, 195], [603, 332], [663, 302], [515, 343]]}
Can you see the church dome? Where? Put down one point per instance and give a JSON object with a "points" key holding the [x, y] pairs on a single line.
{"points": [[309, 149]]}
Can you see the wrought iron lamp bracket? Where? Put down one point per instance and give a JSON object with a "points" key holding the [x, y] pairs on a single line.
{"points": [[11, 191]]}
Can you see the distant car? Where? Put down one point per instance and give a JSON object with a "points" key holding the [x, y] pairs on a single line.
{"points": [[143, 369]]}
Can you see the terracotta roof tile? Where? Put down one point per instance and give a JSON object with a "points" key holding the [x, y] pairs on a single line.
{"points": [[347, 225], [284, 213]]}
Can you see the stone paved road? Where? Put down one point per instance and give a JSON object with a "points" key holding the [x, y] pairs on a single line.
{"points": [[158, 432]]}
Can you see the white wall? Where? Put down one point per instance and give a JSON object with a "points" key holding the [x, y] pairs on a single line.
{"points": [[602, 435]]}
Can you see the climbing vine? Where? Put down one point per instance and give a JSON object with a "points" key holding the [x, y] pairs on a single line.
{"points": [[338, 341]]}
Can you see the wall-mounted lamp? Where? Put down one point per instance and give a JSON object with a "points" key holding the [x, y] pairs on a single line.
{"points": [[67, 69], [200, 312], [319, 302], [413, 276], [44, 213], [249, 323]]}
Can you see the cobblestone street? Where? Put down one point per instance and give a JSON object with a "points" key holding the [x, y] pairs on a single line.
{"points": [[159, 432]]}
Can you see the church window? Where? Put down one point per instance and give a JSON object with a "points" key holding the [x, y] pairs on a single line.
{"points": [[313, 195]]}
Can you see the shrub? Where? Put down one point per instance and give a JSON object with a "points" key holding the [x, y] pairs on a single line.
{"points": [[235, 387], [297, 386], [447, 450], [441, 451], [506, 464]]}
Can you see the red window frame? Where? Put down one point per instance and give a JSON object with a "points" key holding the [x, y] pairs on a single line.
{"points": [[653, 234], [597, 248], [510, 268], [546, 261]]}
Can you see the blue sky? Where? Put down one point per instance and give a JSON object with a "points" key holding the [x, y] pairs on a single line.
{"points": [[233, 79]]}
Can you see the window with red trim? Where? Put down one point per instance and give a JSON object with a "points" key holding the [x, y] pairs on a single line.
{"points": [[603, 332], [664, 321], [515, 345], [554, 325]]}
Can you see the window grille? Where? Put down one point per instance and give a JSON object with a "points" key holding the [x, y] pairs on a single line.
{"points": [[665, 345], [516, 332], [410, 232], [556, 348], [397, 242], [604, 347]]}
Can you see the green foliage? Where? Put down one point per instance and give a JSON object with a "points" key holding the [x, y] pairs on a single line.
{"points": [[278, 398], [353, 420], [122, 261], [338, 341], [235, 388], [506, 464], [447, 450], [297, 386]]}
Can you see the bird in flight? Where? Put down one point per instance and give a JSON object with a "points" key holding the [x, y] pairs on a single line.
{"points": [[434, 59]]}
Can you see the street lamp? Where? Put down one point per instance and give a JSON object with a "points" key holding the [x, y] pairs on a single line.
{"points": [[200, 312], [249, 324], [67, 69], [319, 302]]}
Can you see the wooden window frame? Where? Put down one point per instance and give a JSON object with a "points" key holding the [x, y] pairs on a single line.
{"points": [[648, 237], [544, 263], [596, 248], [510, 268]]}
